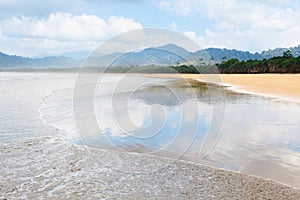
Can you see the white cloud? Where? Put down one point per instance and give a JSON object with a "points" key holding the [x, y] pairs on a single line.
{"points": [[249, 25], [36, 8], [64, 26], [180, 7], [191, 35], [173, 25], [61, 30], [43, 8]]}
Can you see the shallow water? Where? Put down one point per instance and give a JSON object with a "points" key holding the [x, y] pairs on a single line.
{"points": [[259, 135]]}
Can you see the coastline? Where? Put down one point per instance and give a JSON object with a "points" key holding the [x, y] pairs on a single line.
{"points": [[282, 86], [53, 168], [86, 170]]}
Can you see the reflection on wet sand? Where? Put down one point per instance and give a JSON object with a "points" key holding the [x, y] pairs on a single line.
{"points": [[244, 145], [172, 118]]}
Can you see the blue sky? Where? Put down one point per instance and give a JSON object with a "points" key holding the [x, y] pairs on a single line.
{"points": [[34, 27]]}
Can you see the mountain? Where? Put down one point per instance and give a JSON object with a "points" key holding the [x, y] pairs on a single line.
{"points": [[226, 54], [218, 55], [279, 51], [162, 56], [182, 52], [149, 56], [169, 54], [76, 55], [98, 60], [12, 61]]}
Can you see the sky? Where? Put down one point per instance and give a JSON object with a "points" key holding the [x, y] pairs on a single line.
{"points": [[35, 27]]}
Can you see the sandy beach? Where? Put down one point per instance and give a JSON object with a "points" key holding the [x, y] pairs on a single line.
{"points": [[82, 172], [285, 86], [48, 167]]}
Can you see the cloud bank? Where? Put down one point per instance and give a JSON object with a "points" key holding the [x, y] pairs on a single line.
{"points": [[252, 25], [61, 30], [28, 27]]}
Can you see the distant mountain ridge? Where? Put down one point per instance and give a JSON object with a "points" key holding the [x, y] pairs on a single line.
{"points": [[279, 51], [76, 55], [12, 61], [169, 54]]}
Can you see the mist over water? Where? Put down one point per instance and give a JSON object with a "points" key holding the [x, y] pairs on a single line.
{"points": [[260, 135]]}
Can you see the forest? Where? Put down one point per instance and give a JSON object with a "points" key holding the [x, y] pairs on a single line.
{"points": [[286, 63], [280, 64]]}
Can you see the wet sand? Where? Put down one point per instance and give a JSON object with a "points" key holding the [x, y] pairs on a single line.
{"points": [[285, 86], [51, 168], [54, 169]]}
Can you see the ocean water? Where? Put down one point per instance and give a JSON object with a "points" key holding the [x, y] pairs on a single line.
{"points": [[200, 123]]}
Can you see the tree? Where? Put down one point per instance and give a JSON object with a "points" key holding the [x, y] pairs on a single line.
{"points": [[287, 54]]}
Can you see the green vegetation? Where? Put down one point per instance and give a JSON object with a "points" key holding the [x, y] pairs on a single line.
{"points": [[280, 64]]}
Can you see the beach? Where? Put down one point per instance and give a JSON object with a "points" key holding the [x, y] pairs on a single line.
{"points": [[284, 86], [52, 168], [47, 166], [134, 100]]}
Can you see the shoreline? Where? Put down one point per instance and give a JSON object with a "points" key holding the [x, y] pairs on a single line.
{"points": [[281, 86], [182, 179], [169, 161], [77, 174]]}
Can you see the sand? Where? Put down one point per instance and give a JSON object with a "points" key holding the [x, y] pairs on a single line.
{"points": [[284, 86], [53, 169]]}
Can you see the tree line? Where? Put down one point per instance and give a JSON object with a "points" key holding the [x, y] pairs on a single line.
{"points": [[286, 63], [280, 64]]}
